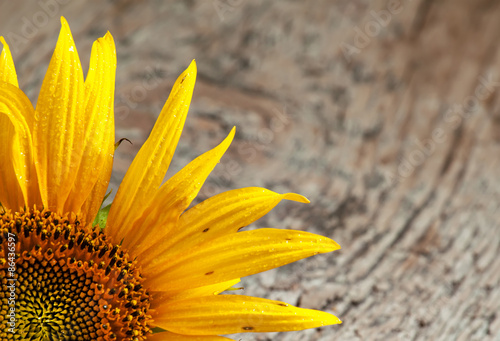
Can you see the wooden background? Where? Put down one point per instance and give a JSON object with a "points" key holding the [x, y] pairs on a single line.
{"points": [[385, 114]]}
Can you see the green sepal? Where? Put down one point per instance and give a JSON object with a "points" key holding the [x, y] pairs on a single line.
{"points": [[106, 197], [102, 217], [156, 330], [117, 144]]}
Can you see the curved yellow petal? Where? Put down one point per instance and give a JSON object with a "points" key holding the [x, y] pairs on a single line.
{"points": [[7, 69], [161, 298], [59, 125], [228, 314], [149, 167], [91, 206], [233, 256], [11, 194], [222, 214], [173, 197], [167, 336], [17, 173], [98, 142]]}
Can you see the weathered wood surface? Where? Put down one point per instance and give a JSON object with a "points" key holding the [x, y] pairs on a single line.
{"points": [[392, 133]]}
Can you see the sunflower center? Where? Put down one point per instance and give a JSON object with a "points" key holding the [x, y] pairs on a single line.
{"points": [[64, 281]]}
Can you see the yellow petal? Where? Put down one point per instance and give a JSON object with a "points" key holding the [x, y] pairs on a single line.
{"points": [[17, 173], [161, 298], [167, 336], [228, 314], [222, 214], [149, 167], [232, 256], [7, 69], [173, 197], [93, 203], [59, 126], [98, 143], [11, 194]]}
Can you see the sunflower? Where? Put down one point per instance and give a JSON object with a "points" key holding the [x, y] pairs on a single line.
{"points": [[147, 267]]}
